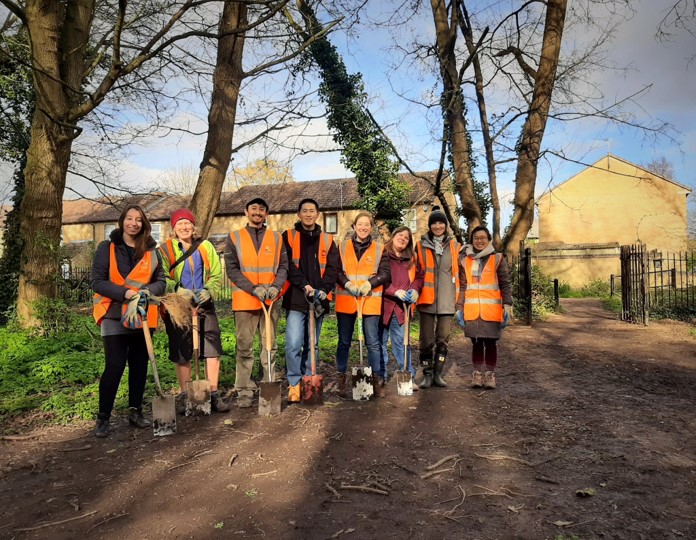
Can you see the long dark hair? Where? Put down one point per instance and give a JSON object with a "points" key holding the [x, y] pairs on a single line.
{"points": [[143, 237], [389, 246]]}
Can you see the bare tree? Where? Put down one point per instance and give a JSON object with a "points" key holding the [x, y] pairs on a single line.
{"points": [[662, 167]]}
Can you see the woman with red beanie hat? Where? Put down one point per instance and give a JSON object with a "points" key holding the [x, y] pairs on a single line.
{"points": [[192, 268]]}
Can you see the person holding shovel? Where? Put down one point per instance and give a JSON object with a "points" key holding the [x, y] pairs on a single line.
{"points": [[438, 256], [364, 273], [486, 305], [125, 272], [193, 270], [311, 278], [403, 291], [257, 265]]}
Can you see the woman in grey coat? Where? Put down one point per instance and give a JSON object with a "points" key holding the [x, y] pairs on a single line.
{"points": [[486, 305]]}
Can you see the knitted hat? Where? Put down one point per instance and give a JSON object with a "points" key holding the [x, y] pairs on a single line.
{"points": [[182, 213], [437, 216]]}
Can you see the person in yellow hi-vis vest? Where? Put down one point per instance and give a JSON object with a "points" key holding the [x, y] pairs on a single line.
{"points": [[365, 273], [257, 264], [486, 306], [125, 271]]}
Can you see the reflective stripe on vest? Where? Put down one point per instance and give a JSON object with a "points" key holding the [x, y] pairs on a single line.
{"points": [[482, 298], [359, 271], [325, 241], [426, 261], [258, 267], [137, 279]]}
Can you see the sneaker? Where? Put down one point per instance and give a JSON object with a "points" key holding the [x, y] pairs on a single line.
{"points": [[244, 401], [476, 379], [101, 429], [180, 404], [489, 381], [217, 404], [294, 394], [136, 418]]}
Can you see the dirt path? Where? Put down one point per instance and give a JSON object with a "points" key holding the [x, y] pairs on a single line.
{"points": [[584, 402]]}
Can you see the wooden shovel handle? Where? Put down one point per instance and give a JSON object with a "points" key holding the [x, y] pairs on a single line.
{"points": [[360, 303], [153, 361], [196, 339], [268, 325], [407, 325]]}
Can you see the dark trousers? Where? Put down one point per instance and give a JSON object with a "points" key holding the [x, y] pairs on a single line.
{"points": [[434, 334], [484, 350], [120, 350]]}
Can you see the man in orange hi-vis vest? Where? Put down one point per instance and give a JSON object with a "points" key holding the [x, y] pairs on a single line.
{"points": [[257, 265]]}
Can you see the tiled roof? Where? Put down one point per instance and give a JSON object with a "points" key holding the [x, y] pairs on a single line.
{"points": [[336, 194]]}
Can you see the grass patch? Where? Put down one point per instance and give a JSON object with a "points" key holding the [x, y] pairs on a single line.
{"points": [[58, 373]]}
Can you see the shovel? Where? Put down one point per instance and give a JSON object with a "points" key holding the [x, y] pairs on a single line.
{"points": [[404, 386], [163, 410], [198, 391], [312, 385], [361, 376], [270, 391]]}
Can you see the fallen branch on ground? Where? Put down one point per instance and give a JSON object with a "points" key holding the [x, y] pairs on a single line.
{"points": [[256, 475], [365, 489], [443, 460], [433, 473], [231, 461], [76, 449], [332, 490], [102, 522], [50, 524]]}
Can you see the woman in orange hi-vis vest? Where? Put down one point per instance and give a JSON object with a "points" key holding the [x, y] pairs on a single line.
{"points": [[487, 303], [364, 273], [126, 270], [438, 256]]}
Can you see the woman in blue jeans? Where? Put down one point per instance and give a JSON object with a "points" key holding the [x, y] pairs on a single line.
{"points": [[364, 273], [406, 285]]}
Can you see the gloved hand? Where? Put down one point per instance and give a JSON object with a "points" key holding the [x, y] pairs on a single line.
{"points": [[508, 315], [401, 295], [412, 296], [186, 293], [365, 288], [144, 302], [259, 292], [318, 309], [352, 288], [272, 293], [459, 317], [201, 296], [132, 318], [319, 295]]}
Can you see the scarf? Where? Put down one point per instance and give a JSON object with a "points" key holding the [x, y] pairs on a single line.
{"points": [[477, 268], [438, 244]]}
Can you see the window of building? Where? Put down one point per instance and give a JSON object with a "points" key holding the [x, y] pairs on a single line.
{"points": [[107, 230], [331, 223], [156, 232], [411, 219]]}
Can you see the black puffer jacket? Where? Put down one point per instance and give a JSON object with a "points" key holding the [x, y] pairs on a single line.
{"points": [[309, 272], [125, 260]]}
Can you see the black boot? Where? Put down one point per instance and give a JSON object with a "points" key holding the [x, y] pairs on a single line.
{"points": [[427, 363], [440, 358], [136, 418], [101, 429]]}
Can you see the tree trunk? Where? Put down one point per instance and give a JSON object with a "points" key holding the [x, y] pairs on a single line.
{"points": [[227, 79], [534, 126], [58, 35], [453, 108]]}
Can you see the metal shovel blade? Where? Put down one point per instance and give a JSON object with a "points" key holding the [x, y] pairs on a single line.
{"points": [[362, 383], [313, 389], [404, 385], [270, 398], [198, 397], [163, 416]]}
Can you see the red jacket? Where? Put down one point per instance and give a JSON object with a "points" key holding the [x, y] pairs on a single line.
{"points": [[401, 278]]}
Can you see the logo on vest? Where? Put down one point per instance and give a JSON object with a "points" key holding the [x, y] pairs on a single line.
{"points": [[323, 253], [369, 258], [267, 251]]}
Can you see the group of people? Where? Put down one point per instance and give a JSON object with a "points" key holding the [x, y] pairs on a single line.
{"points": [[301, 270]]}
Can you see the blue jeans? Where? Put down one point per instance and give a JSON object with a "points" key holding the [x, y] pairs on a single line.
{"points": [[297, 361], [395, 331], [346, 324]]}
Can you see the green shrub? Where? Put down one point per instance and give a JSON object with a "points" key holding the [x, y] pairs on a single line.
{"points": [[543, 300]]}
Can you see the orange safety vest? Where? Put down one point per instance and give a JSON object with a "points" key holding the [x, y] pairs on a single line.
{"points": [[482, 298], [426, 260], [136, 280], [167, 249], [258, 267], [325, 241], [359, 271]]}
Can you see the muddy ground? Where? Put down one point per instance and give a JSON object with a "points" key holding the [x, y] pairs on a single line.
{"points": [[590, 434]]}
